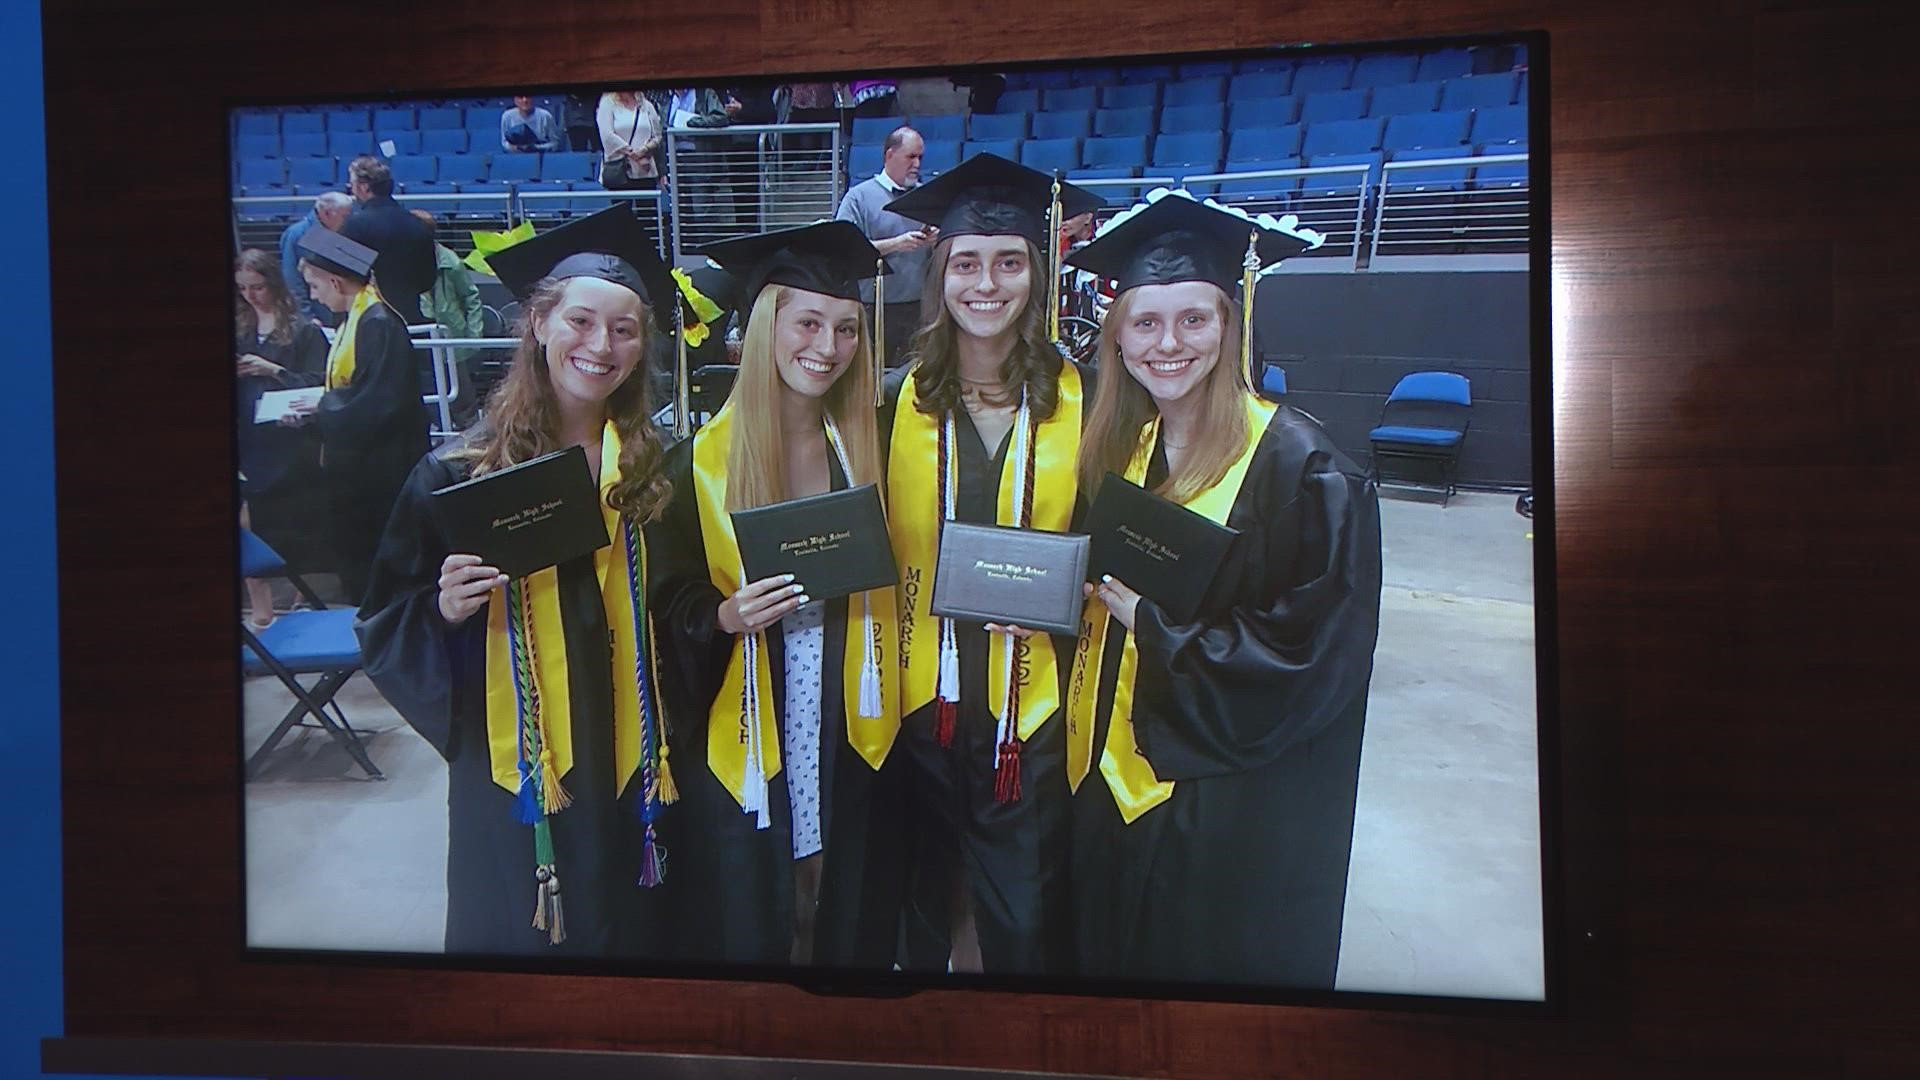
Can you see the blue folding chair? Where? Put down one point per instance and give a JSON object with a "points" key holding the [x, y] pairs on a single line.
{"points": [[319, 641], [1273, 382], [1424, 422]]}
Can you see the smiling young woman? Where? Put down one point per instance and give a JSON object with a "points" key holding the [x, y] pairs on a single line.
{"points": [[784, 712]]}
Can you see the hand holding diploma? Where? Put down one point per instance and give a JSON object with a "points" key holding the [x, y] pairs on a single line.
{"points": [[755, 606], [465, 584], [1120, 601]]}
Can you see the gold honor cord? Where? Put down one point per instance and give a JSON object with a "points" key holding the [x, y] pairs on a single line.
{"points": [[1249, 276], [880, 357], [1053, 262]]}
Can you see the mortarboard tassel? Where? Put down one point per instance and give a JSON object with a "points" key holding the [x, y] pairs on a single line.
{"points": [[1053, 262], [1249, 276], [682, 420], [880, 357]]}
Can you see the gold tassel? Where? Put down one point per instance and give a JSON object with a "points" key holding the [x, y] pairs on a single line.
{"points": [[541, 875], [553, 795], [1249, 275], [556, 933], [682, 420], [880, 357], [1053, 263]]}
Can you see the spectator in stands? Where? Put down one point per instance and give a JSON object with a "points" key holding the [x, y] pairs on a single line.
{"points": [[454, 303], [581, 126], [525, 129], [630, 134], [330, 210], [404, 269], [371, 423], [875, 97], [902, 240], [278, 349]]}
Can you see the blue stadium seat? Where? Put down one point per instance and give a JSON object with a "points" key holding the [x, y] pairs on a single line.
{"points": [[484, 119], [1069, 98], [1384, 69], [1136, 121], [1264, 186], [404, 142], [414, 168], [873, 130], [1146, 73], [1502, 124], [1444, 64], [303, 144], [393, 120], [1263, 112], [1112, 194], [1327, 73], [1342, 137], [1130, 96], [1128, 151], [1259, 84], [462, 168], [440, 120], [268, 212], [1179, 118], [1266, 64], [1263, 144], [482, 207], [1049, 155], [1006, 148], [1480, 91], [311, 190], [256, 146], [1503, 174], [569, 165], [259, 172], [1439, 178], [515, 167], [443, 141], [1093, 76], [544, 208], [348, 120], [1197, 151], [1017, 101], [1340, 183], [593, 203], [863, 161], [257, 123], [309, 123], [306, 171], [1423, 130], [1206, 69], [1000, 125], [1333, 105], [1194, 92], [1049, 79], [950, 127], [442, 199], [1414, 97], [349, 144], [938, 158], [1077, 124]]}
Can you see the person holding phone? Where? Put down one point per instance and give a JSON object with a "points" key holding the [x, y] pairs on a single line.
{"points": [[277, 349], [1215, 761], [540, 691], [785, 704]]}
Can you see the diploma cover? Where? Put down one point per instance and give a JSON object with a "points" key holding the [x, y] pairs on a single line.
{"points": [[835, 544], [526, 517], [1023, 577], [1156, 547]]}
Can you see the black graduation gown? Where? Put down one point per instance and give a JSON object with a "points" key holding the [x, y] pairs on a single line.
{"points": [[1014, 855], [1255, 710], [435, 676], [736, 883], [281, 464], [372, 431]]}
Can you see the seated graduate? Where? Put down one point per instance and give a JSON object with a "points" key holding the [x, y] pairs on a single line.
{"points": [[1213, 843], [372, 424], [984, 426], [277, 349], [535, 689], [788, 835]]}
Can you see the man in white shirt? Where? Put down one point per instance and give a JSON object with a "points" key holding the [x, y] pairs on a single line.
{"points": [[903, 241]]}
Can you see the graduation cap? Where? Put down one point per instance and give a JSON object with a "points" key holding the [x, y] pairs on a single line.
{"points": [[1177, 238], [827, 257], [612, 245], [338, 254], [987, 195]]}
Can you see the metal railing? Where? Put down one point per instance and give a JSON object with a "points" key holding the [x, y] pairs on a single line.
{"points": [[1340, 217], [1443, 213], [748, 178], [514, 206]]}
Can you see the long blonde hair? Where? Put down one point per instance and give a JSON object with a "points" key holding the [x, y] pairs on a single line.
{"points": [[1121, 407], [755, 476], [523, 416], [1033, 363]]}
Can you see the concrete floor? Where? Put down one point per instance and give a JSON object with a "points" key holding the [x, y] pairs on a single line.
{"points": [[1444, 890]]}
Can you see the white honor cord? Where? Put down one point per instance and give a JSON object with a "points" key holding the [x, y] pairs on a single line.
{"points": [[869, 660], [948, 687], [753, 786]]}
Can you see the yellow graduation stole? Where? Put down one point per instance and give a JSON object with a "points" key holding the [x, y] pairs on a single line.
{"points": [[914, 499], [1128, 773], [340, 355], [743, 728]]}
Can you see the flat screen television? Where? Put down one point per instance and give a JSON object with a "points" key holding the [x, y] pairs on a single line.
{"points": [[1326, 787]]}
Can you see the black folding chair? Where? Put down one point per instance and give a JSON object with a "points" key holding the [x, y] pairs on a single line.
{"points": [[319, 642]]}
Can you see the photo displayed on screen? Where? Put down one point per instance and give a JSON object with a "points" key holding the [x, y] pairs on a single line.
{"points": [[1064, 522]]}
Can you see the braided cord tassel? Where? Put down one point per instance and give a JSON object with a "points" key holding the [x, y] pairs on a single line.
{"points": [[535, 767], [946, 704], [1006, 774], [653, 855]]}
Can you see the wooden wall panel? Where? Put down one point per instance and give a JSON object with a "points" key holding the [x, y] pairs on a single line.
{"points": [[1735, 384]]}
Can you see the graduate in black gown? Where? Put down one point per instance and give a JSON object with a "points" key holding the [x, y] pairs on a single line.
{"points": [[372, 424], [984, 426], [785, 707], [539, 691], [1215, 760], [277, 348]]}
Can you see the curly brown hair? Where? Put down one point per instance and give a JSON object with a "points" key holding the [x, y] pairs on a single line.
{"points": [[523, 417], [1033, 362], [246, 324]]}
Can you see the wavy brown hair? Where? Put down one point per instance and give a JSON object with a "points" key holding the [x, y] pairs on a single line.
{"points": [[1121, 407], [756, 475], [245, 323], [1033, 361], [523, 416]]}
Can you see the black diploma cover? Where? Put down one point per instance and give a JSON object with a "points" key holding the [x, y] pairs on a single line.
{"points": [[526, 517], [834, 544], [1154, 546], [1021, 577]]}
